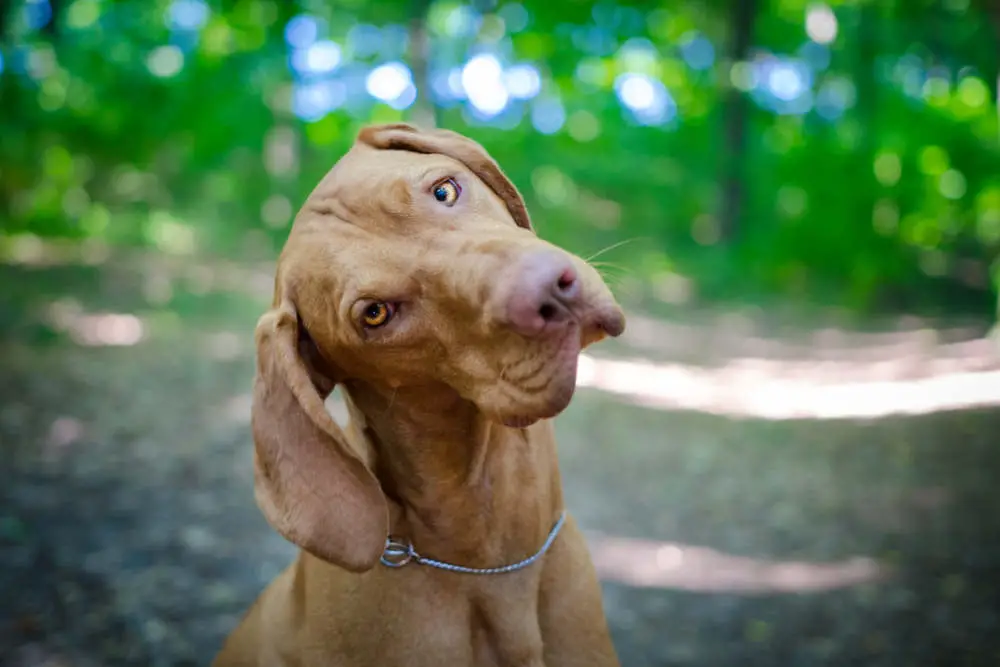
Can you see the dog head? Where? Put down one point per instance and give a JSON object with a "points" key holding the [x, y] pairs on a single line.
{"points": [[413, 263]]}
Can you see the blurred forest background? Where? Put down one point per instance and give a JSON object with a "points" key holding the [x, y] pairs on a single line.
{"points": [[845, 153], [789, 459]]}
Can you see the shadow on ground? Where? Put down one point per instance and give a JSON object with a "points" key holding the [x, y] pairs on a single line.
{"points": [[128, 533]]}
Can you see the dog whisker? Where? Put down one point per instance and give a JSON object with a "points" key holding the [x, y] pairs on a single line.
{"points": [[613, 246]]}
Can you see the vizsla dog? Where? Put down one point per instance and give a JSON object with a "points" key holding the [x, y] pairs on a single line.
{"points": [[432, 529]]}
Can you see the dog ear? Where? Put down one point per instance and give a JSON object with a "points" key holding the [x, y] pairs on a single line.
{"points": [[312, 488], [400, 136]]}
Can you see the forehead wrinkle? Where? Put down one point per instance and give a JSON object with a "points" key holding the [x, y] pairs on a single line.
{"points": [[329, 204], [365, 175], [369, 264], [441, 169], [414, 168]]}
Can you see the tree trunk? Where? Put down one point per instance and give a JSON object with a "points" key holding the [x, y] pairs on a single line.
{"points": [[995, 18], [423, 112], [4, 15], [51, 29], [994, 11], [735, 116]]}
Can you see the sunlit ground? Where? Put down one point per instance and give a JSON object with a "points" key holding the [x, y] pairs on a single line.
{"points": [[646, 563], [965, 375]]}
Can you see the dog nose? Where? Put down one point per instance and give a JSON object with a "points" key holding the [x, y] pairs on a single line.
{"points": [[546, 288]]}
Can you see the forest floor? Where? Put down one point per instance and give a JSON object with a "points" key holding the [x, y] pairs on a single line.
{"points": [[816, 497]]}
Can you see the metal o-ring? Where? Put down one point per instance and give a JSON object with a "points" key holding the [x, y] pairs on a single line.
{"points": [[396, 553]]}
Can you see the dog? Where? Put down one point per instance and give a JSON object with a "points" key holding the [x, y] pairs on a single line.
{"points": [[431, 528]]}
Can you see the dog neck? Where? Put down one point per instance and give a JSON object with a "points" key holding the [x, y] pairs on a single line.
{"points": [[461, 487]]}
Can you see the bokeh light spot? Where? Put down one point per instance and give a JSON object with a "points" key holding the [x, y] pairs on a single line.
{"points": [[522, 81], [548, 115], [933, 160], [743, 76], [816, 55], [647, 98], [888, 169], [952, 184], [364, 40], [885, 217], [492, 29], [37, 13], [592, 71], [276, 211], [281, 151], [792, 201], [310, 102], [454, 83], [835, 96], [318, 58], [552, 187], [936, 89], [187, 14], [583, 126], [988, 225], [301, 31], [170, 235], [462, 21], [821, 24], [41, 62], [785, 82], [514, 16], [165, 61], [482, 79], [392, 83], [697, 51], [637, 91], [973, 92], [639, 56], [82, 14]]}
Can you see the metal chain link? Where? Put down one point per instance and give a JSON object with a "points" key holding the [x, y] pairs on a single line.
{"points": [[397, 554]]}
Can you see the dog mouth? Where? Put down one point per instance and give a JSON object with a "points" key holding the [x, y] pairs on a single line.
{"points": [[564, 343], [519, 422], [560, 381]]}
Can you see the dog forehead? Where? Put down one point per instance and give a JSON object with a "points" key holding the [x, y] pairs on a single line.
{"points": [[327, 273], [365, 167], [376, 189]]}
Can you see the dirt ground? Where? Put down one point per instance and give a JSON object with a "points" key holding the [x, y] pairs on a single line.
{"points": [[129, 536]]}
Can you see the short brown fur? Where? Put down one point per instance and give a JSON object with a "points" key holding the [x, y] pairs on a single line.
{"points": [[426, 453]]}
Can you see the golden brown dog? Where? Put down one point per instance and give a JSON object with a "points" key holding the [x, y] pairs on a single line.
{"points": [[412, 278]]}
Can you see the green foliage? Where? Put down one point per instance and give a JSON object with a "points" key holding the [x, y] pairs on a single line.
{"points": [[884, 192]]}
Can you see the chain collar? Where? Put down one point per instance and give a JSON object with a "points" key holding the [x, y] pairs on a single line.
{"points": [[399, 552]]}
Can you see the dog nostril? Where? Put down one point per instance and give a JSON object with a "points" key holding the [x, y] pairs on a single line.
{"points": [[547, 311], [566, 280]]}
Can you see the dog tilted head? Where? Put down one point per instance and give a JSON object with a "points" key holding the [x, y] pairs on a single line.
{"points": [[413, 263]]}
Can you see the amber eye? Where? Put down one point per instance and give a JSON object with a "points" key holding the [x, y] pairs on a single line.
{"points": [[377, 314], [447, 192]]}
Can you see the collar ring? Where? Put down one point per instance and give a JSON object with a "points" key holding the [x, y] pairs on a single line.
{"points": [[397, 552]]}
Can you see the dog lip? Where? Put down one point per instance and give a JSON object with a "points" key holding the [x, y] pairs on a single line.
{"points": [[566, 356], [518, 422], [602, 322], [611, 321]]}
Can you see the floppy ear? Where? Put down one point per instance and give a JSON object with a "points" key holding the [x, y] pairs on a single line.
{"points": [[400, 136], [310, 486]]}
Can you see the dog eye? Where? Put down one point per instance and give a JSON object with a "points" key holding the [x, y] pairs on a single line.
{"points": [[377, 314], [447, 192]]}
